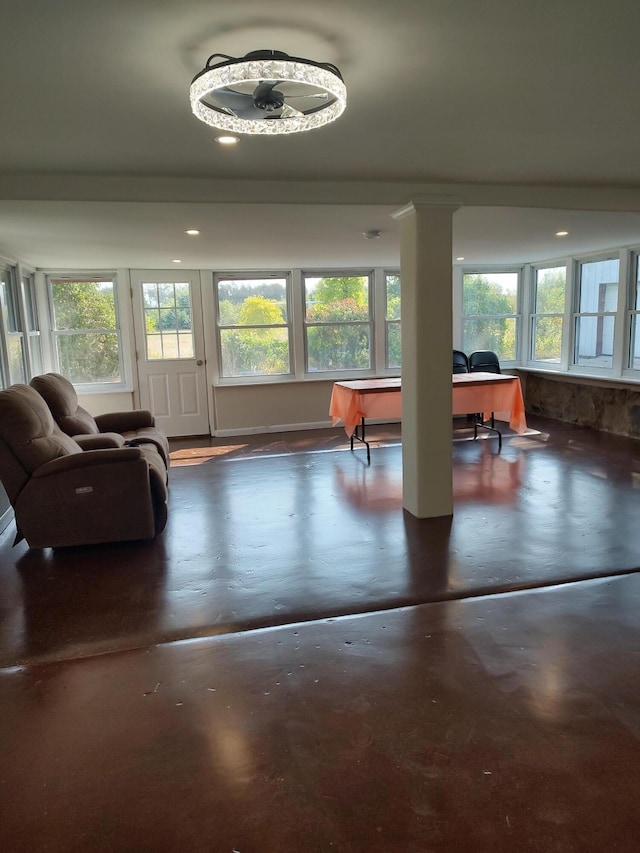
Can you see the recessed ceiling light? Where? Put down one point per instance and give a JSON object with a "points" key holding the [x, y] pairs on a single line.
{"points": [[176, 261], [227, 140], [371, 235], [561, 233], [192, 232], [459, 259]]}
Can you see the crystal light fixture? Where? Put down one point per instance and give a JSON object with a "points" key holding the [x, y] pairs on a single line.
{"points": [[267, 92]]}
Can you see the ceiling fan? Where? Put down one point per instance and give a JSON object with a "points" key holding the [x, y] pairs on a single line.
{"points": [[267, 91]]}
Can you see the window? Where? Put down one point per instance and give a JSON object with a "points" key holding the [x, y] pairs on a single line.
{"points": [[253, 322], [550, 285], [12, 327], [167, 319], [34, 345], [392, 320], [338, 326], [86, 334], [489, 313], [634, 338], [595, 318]]}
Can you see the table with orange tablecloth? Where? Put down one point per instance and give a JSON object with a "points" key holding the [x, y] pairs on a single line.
{"points": [[486, 393]]}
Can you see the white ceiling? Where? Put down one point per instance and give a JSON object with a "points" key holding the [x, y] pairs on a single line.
{"points": [[456, 93]]}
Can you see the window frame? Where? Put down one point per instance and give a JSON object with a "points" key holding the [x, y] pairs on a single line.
{"points": [[342, 373], [253, 378], [12, 326], [388, 323], [121, 291], [31, 322], [632, 313], [487, 270], [535, 314], [577, 315]]}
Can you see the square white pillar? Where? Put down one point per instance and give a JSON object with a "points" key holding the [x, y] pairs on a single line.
{"points": [[427, 343]]}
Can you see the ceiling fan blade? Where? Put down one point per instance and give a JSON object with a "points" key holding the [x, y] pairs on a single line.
{"points": [[288, 111], [264, 89], [319, 95], [229, 99]]}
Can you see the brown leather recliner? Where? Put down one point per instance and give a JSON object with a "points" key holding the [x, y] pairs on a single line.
{"points": [[62, 495], [136, 427]]}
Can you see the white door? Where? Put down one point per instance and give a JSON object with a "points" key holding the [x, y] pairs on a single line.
{"points": [[167, 312]]}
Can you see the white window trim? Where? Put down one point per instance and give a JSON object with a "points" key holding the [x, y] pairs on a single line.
{"points": [[487, 269], [124, 325], [255, 378], [529, 306], [353, 372]]}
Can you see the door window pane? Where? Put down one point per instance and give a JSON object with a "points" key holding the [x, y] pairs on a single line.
{"points": [[168, 320]]}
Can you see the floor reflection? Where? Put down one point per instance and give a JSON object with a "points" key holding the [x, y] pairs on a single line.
{"points": [[489, 477]]}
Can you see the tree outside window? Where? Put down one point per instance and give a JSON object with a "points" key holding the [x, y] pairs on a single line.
{"points": [[337, 323], [394, 343], [86, 333], [548, 318], [254, 329], [489, 313], [168, 323]]}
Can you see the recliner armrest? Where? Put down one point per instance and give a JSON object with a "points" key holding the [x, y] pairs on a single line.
{"points": [[99, 441], [125, 421], [87, 459]]}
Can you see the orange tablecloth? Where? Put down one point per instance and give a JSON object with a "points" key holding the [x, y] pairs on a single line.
{"points": [[471, 392]]}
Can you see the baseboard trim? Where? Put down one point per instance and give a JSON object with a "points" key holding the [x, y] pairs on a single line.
{"points": [[259, 430]]}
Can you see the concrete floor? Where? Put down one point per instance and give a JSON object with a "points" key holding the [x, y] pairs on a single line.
{"points": [[297, 664]]}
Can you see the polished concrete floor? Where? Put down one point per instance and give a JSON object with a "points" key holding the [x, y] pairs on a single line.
{"points": [[297, 664]]}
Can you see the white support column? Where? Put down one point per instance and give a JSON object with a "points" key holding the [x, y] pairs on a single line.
{"points": [[426, 276]]}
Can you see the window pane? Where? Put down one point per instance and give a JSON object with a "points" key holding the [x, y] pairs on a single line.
{"points": [[341, 346], [16, 359], [599, 286], [594, 341], [394, 350], [337, 300], [83, 304], [547, 339], [29, 299], [489, 293], [634, 357], [550, 290], [89, 357], [491, 333], [254, 352], [35, 353], [9, 310], [393, 297], [489, 306], [167, 317], [252, 302], [86, 335]]}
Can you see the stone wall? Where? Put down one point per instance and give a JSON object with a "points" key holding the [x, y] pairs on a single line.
{"points": [[601, 405]]}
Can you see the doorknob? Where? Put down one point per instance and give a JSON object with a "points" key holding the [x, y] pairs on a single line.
{"points": [[199, 362]]}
